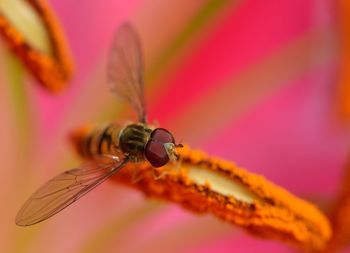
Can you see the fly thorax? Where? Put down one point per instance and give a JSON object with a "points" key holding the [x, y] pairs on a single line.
{"points": [[133, 139]]}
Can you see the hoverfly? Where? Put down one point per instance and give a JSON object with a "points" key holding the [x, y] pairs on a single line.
{"points": [[109, 148]]}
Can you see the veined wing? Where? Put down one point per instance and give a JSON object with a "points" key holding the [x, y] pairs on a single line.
{"points": [[65, 189], [125, 69]]}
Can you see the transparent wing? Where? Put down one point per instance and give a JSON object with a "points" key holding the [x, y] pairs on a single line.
{"points": [[125, 69], [65, 189]]}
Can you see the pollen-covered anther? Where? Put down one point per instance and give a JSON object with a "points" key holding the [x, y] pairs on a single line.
{"points": [[204, 184], [32, 32]]}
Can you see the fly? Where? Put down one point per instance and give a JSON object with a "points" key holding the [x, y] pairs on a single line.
{"points": [[109, 148]]}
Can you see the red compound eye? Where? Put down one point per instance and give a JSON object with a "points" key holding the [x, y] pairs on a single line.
{"points": [[162, 135], [156, 153]]}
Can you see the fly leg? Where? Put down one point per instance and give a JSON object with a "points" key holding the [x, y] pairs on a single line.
{"points": [[113, 157], [178, 162], [136, 176], [158, 174]]}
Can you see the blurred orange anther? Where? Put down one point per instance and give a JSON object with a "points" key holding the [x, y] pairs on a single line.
{"points": [[43, 51], [340, 216]]}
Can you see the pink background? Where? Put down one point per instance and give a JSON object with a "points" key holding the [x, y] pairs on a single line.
{"points": [[255, 84]]}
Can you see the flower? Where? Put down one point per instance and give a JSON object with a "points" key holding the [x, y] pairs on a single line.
{"points": [[248, 82]]}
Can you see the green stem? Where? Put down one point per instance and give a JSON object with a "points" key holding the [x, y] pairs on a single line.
{"points": [[23, 121], [19, 99]]}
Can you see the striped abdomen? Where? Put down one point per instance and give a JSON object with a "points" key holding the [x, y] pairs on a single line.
{"points": [[90, 142], [110, 139]]}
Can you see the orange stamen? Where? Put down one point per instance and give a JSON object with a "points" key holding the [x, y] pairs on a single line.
{"points": [[205, 184]]}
